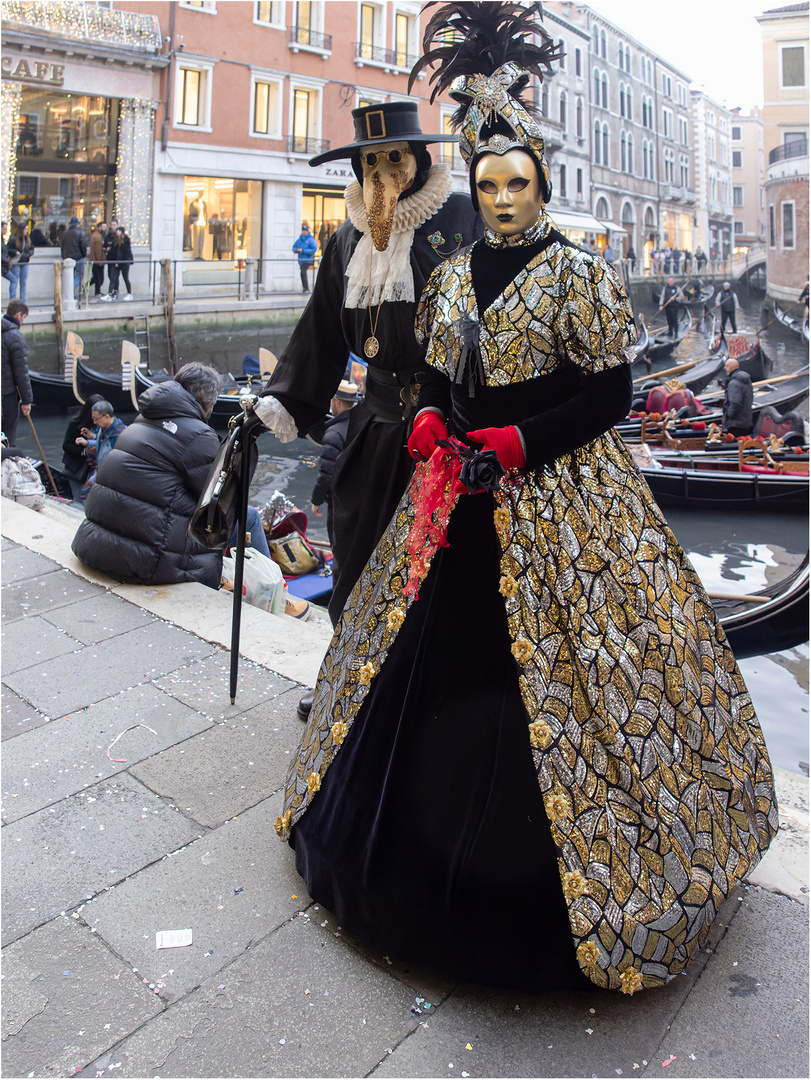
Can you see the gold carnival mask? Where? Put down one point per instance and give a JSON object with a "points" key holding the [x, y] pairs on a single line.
{"points": [[508, 191], [387, 171]]}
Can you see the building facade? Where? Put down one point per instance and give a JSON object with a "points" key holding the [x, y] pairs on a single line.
{"points": [[713, 167], [785, 35], [748, 204]]}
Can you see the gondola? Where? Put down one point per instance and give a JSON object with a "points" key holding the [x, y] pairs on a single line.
{"points": [[776, 620], [796, 325], [663, 343], [86, 382], [640, 349], [749, 478], [696, 377], [52, 393]]}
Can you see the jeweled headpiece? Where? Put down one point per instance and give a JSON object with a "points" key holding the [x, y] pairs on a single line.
{"points": [[484, 60]]}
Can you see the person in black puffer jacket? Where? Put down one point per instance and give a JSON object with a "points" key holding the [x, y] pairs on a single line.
{"points": [[17, 394], [146, 490]]}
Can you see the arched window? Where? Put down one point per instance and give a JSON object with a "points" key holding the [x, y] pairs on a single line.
{"points": [[605, 90], [644, 111], [603, 45], [629, 109], [596, 87], [544, 100], [602, 212], [563, 111], [596, 40], [620, 57], [631, 154], [580, 118], [605, 144], [622, 99], [627, 59], [645, 158], [596, 144], [623, 151]]}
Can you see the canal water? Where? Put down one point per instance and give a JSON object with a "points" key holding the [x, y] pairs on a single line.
{"points": [[732, 552]]}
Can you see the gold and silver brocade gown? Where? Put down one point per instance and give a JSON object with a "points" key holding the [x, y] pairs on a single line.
{"points": [[562, 636]]}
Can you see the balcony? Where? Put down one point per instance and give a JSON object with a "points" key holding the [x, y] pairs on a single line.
{"points": [[301, 37], [297, 144], [390, 59], [84, 22], [676, 193], [796, 149]]}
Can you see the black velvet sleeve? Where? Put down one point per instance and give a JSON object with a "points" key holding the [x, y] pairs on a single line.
{"points": [[435, 392], [602, 401]]}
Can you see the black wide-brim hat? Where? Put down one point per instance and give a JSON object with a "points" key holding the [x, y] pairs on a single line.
{"points": [[394, 121]]}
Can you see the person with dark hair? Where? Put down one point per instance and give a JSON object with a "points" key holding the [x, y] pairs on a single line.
{"points": [[6, 257], [147, 486], [74, 246], [97, 255], [17, 393], [20, 250], [305, 247], [76, 466], [119, 259], [529, 683]]}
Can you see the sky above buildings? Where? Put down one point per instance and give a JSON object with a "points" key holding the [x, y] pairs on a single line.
{"points": [[716, 42]]}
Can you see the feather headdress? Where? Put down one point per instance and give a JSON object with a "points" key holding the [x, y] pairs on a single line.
{"points": [[483, 54]]}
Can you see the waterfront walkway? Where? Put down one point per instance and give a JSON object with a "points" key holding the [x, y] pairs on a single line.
{"points": [[137, 800]]}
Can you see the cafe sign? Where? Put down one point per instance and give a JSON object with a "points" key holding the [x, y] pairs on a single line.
{"points": [[27, 69]]}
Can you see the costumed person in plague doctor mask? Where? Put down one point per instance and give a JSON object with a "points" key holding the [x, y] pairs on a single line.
{"points": [[529, 683], [402, 222]]}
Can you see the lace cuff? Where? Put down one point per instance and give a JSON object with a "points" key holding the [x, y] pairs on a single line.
{"points": [[276, 418]]}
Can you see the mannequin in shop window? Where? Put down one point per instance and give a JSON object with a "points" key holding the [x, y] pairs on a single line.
{"points": [[198, 213]]}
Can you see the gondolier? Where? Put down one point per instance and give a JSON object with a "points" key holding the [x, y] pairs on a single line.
{"points": [[403, 221], [729, 306], [668, 300]]}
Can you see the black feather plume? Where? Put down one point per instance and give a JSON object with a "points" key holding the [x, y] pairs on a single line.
{"points": [[478, 38]]}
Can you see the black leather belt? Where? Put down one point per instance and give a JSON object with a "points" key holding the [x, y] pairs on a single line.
{"points": [[392, 396]]}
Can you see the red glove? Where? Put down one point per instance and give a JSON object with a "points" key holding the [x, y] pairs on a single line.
{"points": [[505, 441], [428, 427]]}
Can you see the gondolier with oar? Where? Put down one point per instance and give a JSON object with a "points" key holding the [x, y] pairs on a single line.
{"points": [[669, 303]]}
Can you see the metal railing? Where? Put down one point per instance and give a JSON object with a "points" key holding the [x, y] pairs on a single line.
{"points": [[302, 35], [378, 55], [86, 21], [297, 144], [796, 149]]}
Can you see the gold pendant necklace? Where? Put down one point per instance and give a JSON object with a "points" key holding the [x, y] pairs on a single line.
{"points": [[371, 345]]}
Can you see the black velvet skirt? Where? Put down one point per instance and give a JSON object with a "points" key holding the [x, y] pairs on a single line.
{"points": [[428, 839]]}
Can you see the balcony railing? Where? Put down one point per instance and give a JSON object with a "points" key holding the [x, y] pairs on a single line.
{"points": [[86, 22], [296, 144], [796, 149], [378, 55], [302, 35]]}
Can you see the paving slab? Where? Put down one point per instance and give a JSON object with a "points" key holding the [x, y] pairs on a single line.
{"points": [[20, 563], [205, 685], [71, 753], [99, 618], [79, 679], [19, 715], [65, 854], [28, 642], [755, 982], [231, 766], [298, 1004], [231, 888], [33, 596], [66, 999]]}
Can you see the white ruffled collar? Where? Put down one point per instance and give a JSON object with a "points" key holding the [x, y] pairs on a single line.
{"points": [[411, 212]]}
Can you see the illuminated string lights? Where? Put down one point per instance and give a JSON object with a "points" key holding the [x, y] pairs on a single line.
{"points": [[133, 177], [10, 98], [75, 19]]}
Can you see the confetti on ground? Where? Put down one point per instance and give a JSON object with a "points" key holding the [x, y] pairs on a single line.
{"points": [[468, 1046], [589, 1031], [669, 1061]]}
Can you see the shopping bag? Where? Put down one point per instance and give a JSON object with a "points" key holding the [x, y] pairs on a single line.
{"points": [[21, 483], [262, 581]]}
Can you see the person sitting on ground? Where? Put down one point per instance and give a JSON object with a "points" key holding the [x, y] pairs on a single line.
{"points": [[17, 394], [75, 462], [332, 443], [737, 416], [99, 442], [147, 487]]}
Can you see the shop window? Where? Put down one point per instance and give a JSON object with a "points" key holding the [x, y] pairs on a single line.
{"points": [[266, 107], [222, 218], [193, 95], [66, 153], [324, 209]]}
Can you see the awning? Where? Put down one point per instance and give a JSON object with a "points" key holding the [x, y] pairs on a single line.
{"points": [[570, 219], [612, 228]]}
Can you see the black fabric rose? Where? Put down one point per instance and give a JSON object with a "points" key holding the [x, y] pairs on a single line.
{"points": [[482, 472]]}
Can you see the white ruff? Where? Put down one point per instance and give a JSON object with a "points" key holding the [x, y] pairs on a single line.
{"points": [[390, 270]]}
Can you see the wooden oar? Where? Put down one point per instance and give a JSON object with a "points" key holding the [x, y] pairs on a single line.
{"points": [[668, 371], [755, 385], [774, 318], [744, 598]]}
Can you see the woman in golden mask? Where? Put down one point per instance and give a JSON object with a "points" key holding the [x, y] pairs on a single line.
{"points": [[528, 694]]}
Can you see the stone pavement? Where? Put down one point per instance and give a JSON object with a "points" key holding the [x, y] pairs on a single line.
{"points": [[117, 723]]}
